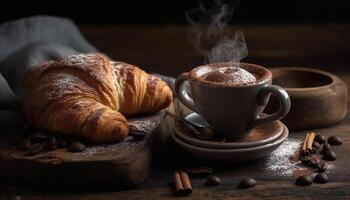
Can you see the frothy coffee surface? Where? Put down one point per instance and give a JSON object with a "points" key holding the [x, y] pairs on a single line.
{"points": [[229, 75]]}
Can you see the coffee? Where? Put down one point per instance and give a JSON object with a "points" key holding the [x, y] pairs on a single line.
{"points": [[229, 75], [231, 99]]}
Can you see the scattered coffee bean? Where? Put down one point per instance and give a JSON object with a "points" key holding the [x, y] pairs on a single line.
{"points": [[321, 178], [52, 144], [329, 155], [315, 150], [320, 139], [335, 140], [133, 128], [39, 137], [213, 181], [138, 135], [61, 143], [35, 149], [128, 139], [316, 145], [24, 145], [76, 147], [303, 180], [247, 183], [45, 145], [326, 147], [199, 172]]}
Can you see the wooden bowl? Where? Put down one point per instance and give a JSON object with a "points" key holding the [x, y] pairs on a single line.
{"points": [[318, 98]]}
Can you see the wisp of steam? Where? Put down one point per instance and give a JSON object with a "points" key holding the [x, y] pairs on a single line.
{"points": [[206, 32]]}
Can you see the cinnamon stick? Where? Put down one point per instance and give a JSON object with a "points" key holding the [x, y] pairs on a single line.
{"points": [[307, 145], [310, 141], [182, 183], [186, 183], [305, 142], [178, 183]]}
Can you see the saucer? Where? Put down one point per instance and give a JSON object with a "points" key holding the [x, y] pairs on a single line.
{"points": [[260, 135], [232, 155]]}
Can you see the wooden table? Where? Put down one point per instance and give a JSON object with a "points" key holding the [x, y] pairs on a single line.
{"points": [[164, 49]]}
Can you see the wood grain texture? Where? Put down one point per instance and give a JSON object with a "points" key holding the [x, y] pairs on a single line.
{"points": [[314, 94], [121, 165], [164, 49]]}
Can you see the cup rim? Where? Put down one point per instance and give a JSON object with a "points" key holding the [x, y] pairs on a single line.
{"points": [[266, 74]]}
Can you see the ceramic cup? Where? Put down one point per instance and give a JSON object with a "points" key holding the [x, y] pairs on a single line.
{"points": [[232, 110]]}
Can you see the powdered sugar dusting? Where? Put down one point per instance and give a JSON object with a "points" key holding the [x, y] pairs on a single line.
{"points": [[279, 162], [95, 152], [229, 75], [117, 77], [144, 125]]}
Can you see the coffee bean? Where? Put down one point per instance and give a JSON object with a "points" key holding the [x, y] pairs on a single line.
{"points": [[320, 139], [199, 172], [61, 143], [329, 156], [316, 145], [335, 140], [315, 150], [326, 147], [213, 181], [133, 128], [39, 137], [138, 135], [247, 183], [52, 144], [128, 139], [303, 180], [25, 144], [76, 147], [45, 145], [35, 149], [321, 178]]}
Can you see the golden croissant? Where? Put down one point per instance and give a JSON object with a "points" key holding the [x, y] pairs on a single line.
{"points": [[87, 94]]}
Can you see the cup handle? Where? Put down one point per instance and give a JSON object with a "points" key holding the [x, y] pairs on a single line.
{"points": [[181, 93], [284, 104]]}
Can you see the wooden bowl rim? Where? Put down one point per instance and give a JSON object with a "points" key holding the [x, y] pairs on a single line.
{"points": [[334, 78]]}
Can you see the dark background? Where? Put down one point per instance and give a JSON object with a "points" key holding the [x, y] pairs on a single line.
{"points": [[152, 12]]}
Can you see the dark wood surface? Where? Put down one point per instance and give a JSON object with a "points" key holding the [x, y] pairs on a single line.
{"points": [[126, 164], [164, 49]]}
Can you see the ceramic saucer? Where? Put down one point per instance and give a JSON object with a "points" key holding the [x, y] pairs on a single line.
{"points": [[232, 155], [263, 134]]}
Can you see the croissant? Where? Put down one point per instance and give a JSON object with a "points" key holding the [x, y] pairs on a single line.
{"points": [[87, 95]]}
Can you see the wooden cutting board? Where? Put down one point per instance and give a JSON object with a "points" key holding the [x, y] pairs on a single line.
{"points": [[108, 166]]}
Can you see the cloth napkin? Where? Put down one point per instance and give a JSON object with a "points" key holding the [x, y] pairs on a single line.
{"points": [[25, 43], [30, 41]]}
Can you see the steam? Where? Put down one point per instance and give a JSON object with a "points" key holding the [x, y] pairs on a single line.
{"points": [[207, 33]]}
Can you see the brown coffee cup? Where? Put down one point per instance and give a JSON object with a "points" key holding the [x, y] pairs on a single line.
{"points": [[232, 110]]}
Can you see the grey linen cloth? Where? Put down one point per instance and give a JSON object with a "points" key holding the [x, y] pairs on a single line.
{"points": [[30, 41], [25, 43]]}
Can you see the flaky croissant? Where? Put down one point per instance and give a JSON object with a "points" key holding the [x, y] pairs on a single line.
{"points": [[87, 95]]}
